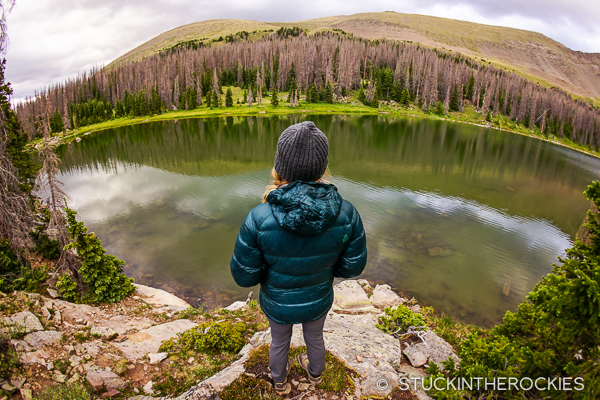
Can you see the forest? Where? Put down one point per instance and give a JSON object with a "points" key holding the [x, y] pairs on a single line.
{"points": [[321, 67]]}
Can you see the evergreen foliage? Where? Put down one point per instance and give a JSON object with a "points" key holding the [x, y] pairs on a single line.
{"points": [[229, 98], [275, 98], [101, 273], [439, 108], [328, 94], [16, 139], [16, 273], [454, 102]]}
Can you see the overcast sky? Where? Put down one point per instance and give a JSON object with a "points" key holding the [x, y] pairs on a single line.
{"points": [[51, 40]]}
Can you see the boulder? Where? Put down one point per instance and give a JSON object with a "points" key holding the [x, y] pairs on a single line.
{"points": [[103, 332], [161, 298], [383, 296], [155, 358], [436, 350], [149, 340], [100, 379], [24, 321], [238, 305], [42, 338], [349, 297], [34, 357]]}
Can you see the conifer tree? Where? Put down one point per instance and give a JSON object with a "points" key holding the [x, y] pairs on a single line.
{"points": [[454, 103], [229, 98], [328, 95], [215, 100], [209, 99], [275, 98]]}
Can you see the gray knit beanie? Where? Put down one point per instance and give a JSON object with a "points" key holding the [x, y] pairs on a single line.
{"points": [[302, 153]]}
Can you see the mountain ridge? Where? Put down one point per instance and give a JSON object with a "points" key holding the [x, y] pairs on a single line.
{"points": [[528, 53]]}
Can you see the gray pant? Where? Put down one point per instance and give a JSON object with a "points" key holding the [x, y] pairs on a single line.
{"points": [[280, 345]]}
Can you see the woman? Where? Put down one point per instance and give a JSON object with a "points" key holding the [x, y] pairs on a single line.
{"points": [[294, 244]]}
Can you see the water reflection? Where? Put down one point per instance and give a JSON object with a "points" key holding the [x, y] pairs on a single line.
{"points": [[463, 218]]}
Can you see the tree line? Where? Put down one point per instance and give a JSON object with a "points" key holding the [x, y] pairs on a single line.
{"points": [[432, 79]]}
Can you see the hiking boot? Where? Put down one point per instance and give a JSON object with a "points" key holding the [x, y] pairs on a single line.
{"points": [[303, 361], [283, 388]]}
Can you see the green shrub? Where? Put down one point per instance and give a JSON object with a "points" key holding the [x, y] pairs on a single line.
{"points": [[17, 274], [8, 357], [399, 319], [555, 331], [68, 289], [69, 391], [209, 336], [101, 272]]}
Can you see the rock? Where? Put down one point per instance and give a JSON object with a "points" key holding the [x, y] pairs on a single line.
{"points": [[18, 382], [416, 357], [383, 296], [238, 305], [21, 345], [148, 388], [34, 357], [364, 283], [44, 338], [303, 386], [122, 366], [53, 293], [439, 252], [161, 298], [50, 366], [351, 298], [376, 349], [155, 358], [100, 378], [48, 304], [122, 324], [74, 361], [72, 313], [8, 387], [57, 318], [46, 313], [59, 378], [75, 378], [110, 393], [25, 321], [26, 394], [436, 350], [103, 332], [90, 348], [149, 340]]}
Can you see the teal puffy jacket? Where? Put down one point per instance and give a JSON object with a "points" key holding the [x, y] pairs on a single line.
{"points": [[295, 245]]}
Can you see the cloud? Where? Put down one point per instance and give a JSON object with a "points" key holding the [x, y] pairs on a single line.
{"points": [[51, 40]]}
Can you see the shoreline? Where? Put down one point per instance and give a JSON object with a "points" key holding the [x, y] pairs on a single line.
{"points": [[311, 109]]}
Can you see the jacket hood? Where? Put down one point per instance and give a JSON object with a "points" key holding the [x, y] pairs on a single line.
{"points": [[305, 208]]}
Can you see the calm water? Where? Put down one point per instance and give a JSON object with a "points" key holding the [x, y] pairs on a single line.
{"points": [[463, 218]]}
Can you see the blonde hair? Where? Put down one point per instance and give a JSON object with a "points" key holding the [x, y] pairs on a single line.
{"points": [[278, 181]]}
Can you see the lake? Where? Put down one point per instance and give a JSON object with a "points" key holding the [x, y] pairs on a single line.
{"points": [[464, 218]]}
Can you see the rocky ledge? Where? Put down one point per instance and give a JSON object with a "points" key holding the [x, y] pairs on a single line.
{"points": [[120, 343]]}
